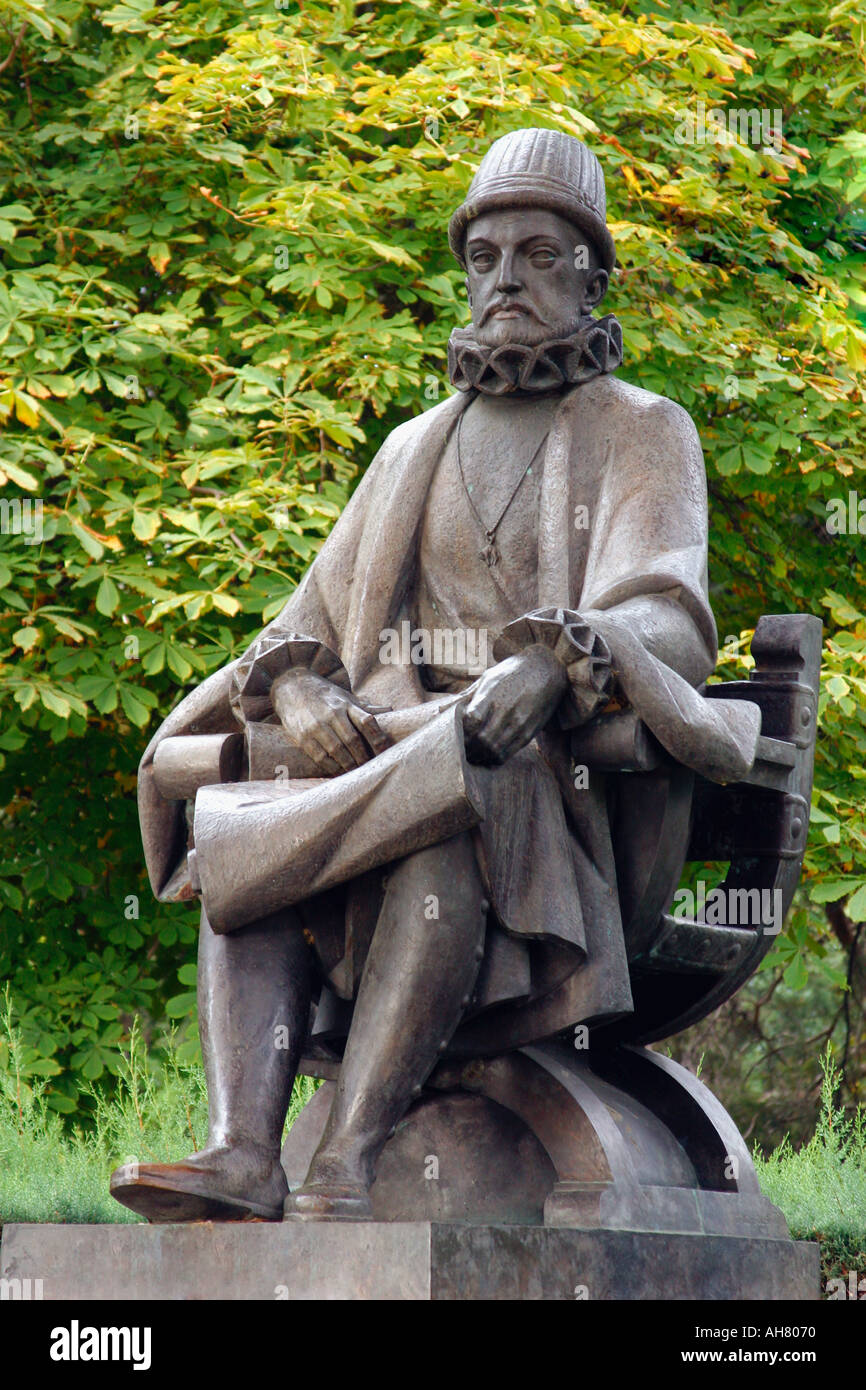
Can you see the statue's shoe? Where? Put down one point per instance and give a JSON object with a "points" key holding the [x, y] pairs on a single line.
{"points": [[214, 1185], [328, 1203]]}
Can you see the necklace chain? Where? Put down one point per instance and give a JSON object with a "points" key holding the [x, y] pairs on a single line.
{"points": [[490, 553]]}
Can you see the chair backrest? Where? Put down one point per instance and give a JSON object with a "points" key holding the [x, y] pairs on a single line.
{"points": [[684, 967]]}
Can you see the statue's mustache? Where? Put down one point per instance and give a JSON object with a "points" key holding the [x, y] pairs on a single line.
{"points": [[508, 304]]}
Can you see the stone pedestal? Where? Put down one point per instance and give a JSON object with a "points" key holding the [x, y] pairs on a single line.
{"points": [[397, 1260]]}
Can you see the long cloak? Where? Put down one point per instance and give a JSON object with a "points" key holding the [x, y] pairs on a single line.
{"points": [[622, 539]]}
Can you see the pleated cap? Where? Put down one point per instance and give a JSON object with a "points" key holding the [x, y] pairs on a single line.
{"points": [[537, 168]]}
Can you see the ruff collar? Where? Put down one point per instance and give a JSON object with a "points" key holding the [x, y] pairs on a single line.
{"points": [[595, 347]]}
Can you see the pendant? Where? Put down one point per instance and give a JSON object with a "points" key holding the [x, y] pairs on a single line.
{"points": [[490, 555]]}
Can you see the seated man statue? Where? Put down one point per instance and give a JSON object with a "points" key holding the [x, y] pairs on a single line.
{"points": [[550, 521]]}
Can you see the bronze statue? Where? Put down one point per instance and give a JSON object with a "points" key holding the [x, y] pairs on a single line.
{"points": [[421, 848]]}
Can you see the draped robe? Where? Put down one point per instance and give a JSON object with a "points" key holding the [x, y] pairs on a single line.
{"points": [[621, 540]]}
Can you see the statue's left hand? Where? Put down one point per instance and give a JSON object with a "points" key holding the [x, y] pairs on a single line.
{"points": [[512, 701]]}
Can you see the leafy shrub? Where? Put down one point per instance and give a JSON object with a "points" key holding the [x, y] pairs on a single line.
{"points": [[821, 1188]]}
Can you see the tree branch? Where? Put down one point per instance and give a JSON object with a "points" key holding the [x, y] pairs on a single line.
{"points": [[14, 49]]}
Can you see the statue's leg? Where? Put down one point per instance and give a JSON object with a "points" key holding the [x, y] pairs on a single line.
{"points": [[254, 1000], [419, 972]]}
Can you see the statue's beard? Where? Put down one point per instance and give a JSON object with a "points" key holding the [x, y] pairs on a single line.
{"points": [[592, 347], [528, 331]]}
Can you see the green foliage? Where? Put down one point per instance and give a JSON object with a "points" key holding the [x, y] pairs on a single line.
{"points": [[757, 1052], [821, 1189], [158, 1113], [226, 277]]}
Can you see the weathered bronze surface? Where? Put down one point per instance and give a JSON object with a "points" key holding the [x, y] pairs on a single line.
{"points": [[448, 793]]}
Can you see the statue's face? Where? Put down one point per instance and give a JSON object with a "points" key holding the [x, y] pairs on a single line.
{"points": [[531, 275]]}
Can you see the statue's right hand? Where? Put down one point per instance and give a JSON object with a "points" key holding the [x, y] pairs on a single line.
{"points": [[328, 723]]}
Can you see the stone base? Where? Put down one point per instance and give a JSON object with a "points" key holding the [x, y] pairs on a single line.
{"points": [[397, 1260]]}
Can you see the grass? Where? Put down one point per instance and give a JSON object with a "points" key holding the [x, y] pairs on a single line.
{"points": [[49, 1172], [821, 1187]]}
